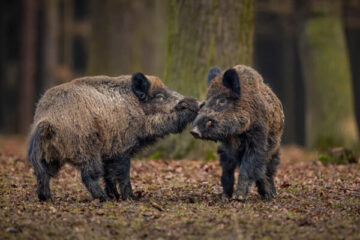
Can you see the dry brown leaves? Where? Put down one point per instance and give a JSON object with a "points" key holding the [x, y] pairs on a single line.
{"points": [[181, 200]]}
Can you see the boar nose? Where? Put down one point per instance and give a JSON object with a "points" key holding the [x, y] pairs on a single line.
{"points": [[188, 103], [195, 132], [181, 105]]}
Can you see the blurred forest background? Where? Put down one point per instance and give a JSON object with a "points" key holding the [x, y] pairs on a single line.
{"points": [[308, 51]]}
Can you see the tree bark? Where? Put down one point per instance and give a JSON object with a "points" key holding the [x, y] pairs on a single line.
{"points": [[27, 64], [50, 44], [276, 57], [352, 29], [329, 101], [202, 34], [127, 37], [3, 47]]}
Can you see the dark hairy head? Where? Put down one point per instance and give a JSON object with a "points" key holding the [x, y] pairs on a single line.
{"points": [[222, 114], [166, 111]]}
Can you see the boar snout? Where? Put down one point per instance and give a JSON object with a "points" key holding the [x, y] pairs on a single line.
{"points": [[188, 104], [201, 125], [195, 132]]}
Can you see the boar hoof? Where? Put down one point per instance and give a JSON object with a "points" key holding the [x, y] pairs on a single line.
{"points": [[225, 198], [273, 194], [267, 197], [239, 197]]}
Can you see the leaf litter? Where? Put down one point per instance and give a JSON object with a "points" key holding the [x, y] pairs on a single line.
{"points": [[182, 200]]}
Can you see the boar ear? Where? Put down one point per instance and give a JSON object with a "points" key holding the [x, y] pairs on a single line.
{"points": [[140, 86], [213, 72], [231, 81]]}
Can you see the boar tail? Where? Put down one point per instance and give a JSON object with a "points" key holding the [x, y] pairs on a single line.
{"points": [[41, 136], [37, 157]]}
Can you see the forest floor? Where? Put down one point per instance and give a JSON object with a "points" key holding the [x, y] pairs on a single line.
{"points": [[182, 200]]}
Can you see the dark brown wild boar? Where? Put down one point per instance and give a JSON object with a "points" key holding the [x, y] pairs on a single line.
{"points": [[98, 123], [243, 114]]}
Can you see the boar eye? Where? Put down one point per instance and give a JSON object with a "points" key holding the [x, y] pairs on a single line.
{"points": [[221, 101], [160, 96]]}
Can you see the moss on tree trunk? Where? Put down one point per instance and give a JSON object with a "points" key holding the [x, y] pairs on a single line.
{"points": [[329, 101], [201, 34]]}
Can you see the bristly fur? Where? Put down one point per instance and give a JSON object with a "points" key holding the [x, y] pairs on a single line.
{"points": [[98, 123], [249, 124]]}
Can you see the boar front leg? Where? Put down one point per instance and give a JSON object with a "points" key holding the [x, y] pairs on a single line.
{"points": [[117, 170], [252, 168], [228, 165], [123, 177], [91, 171], [110, 166]]}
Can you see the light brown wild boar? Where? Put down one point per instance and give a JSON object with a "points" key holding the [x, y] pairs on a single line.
{"points": [[98, 123], [245, 115]]}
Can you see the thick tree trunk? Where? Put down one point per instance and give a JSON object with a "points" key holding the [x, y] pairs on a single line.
{"points": [[329, 101], [127, 37], [27, 64], [201, 34], [205, 33], [276, 58]]}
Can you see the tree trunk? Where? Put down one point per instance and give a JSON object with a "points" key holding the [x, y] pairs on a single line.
{"points": [[127, 37], [352, 27], [329, 101], [27, 64], [201, 34], [276, 58], [3, 47], [50, 44]]}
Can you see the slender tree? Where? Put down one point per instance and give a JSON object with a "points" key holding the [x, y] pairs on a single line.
{"points": [[50, 44], [27, 64], [352, 27], [201, 34], [329, 100]]}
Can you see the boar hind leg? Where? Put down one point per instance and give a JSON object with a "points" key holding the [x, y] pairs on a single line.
{"points": [[48, 171], [91, 171], [271, 170], [42, 169], [228, 165]]}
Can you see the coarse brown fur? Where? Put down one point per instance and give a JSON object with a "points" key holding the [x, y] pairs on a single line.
{"points": [[243, 113], [98, 123]]}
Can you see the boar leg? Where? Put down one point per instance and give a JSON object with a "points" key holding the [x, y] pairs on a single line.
{"points": [[253, 167], [264, 189], [271, 170], [228, 164], [123, 177], [110, 188], [48, 170], [91, 171], [110, 166], [118, 170]]}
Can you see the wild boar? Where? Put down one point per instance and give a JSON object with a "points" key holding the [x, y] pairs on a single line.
{"points": [[98, 123], [244, 114]]}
